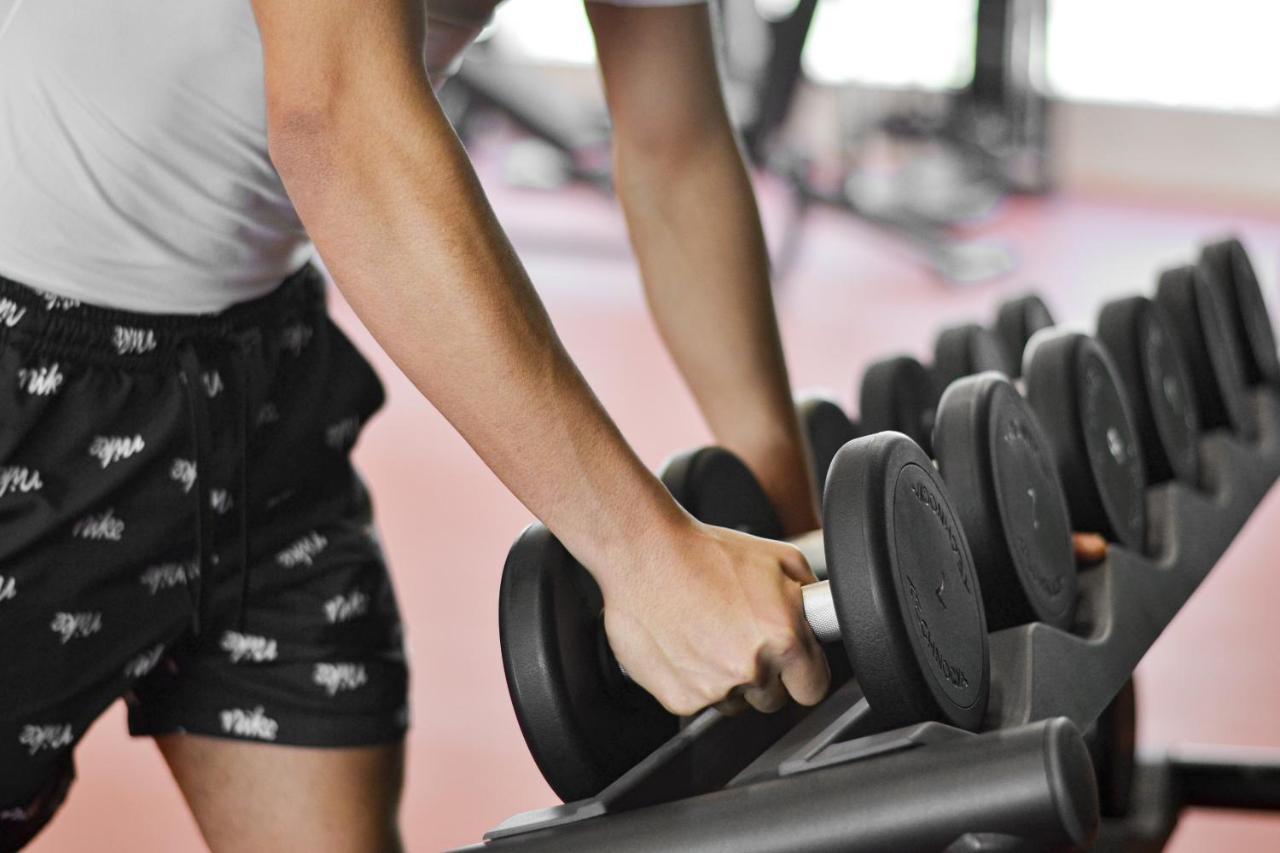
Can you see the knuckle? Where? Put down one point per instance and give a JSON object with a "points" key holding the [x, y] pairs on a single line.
{"points": [[784, 642], [682, 705]]}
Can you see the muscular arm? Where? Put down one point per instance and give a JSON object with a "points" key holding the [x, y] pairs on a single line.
{"points": [[390, 200], [388, 196], [696, 231]]}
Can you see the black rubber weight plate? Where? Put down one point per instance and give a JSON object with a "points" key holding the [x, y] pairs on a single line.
{"points": [[1073, 388], [1214, 354], [717, 488], [964, 351], [585, 724], [905, 590], [897, 394], [1139, 338], [828, 429], [1227, 265], [999, 468], [1016, 321]]}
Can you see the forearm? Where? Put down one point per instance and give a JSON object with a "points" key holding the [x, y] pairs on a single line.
{"points": [[696, 229], [440, 288]]}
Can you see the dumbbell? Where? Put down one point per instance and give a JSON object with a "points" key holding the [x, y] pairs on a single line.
{"points": [[827, 428], [1000, 469], [1227, 266], [997, 464], [965, 350], [1201, 316], [1017, 320], [902, 598], [901, 394], [897, 394], [1139, 336], [1072, 385]]}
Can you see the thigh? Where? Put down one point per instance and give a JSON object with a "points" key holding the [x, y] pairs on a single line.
{"points": [[249, 797]]}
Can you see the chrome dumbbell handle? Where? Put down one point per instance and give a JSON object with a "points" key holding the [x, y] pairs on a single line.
{"points": [[820, 611]]}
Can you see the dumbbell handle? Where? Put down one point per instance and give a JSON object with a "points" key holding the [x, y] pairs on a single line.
{"points": [[811, 545], [820, 611], [819, 608]]}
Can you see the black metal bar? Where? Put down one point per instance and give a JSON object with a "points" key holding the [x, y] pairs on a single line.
{"points": [[1033, 783], [1228, 779]]}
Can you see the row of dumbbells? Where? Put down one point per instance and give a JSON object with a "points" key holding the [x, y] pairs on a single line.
{"points": [[948, 510], [1122, 410]]}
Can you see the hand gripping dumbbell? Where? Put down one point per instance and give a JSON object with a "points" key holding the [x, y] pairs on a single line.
{"points": [[902, 597]]}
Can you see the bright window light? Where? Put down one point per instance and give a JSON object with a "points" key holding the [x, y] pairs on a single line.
{"points": [[925, 44], [1180, 53], [551, 31]]}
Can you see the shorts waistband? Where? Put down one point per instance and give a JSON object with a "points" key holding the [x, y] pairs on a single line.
{"points": [[59, 326]]}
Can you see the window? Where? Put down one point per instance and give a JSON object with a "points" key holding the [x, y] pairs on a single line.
{"points": [[1179, 53]]}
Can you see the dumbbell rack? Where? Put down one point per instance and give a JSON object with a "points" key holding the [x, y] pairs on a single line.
{"points": [[827, 779]]}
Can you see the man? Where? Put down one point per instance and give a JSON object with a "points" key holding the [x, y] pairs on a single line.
{"points": [[179, 522]]}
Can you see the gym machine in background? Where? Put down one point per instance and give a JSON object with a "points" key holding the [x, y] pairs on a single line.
{"points": [[1162, 434], [973, 146]]}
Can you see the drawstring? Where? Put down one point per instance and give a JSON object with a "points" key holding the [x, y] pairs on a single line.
{"points": [[198, 415], [245, 365], [246, 381]]}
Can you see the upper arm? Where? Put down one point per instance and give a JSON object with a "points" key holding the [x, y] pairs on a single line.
{"points": [[323, 53], [660, 74]]}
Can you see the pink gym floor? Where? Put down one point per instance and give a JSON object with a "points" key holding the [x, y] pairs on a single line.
{"points": [[852, 295]]}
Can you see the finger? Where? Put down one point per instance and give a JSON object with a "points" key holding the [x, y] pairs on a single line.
{"points": [[804, 672], [733, 706], [794, 565], [768, 697], [1089, 547]]}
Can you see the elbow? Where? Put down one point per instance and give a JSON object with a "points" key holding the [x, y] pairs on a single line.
{"points": [[303, 127]]}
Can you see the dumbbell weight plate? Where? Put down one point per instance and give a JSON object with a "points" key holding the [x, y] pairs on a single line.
{"points": [[1073, 387], [966, 350], [1202, 323], [827, 428], [897, 395], [1227, 266], [1016, 321], [584, 723], [717, 488], [1139, 338], [904, 585], [1000, 471]]}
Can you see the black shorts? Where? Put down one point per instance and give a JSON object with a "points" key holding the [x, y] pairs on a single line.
{"points": [[180, 525]]}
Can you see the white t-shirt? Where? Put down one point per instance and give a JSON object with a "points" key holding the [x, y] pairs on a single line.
{"points": [[133, 149]]}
